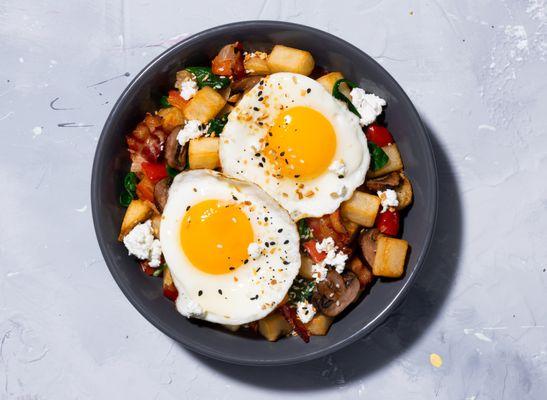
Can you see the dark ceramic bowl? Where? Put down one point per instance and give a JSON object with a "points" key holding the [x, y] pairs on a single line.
{"points": [[112, 163]]}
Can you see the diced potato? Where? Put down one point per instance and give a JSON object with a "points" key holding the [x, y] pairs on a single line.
{"points": [[205, 105], [305, 266], [390, 257], [138, 211], [256, 66], [273, 326], [361, 208], [171, 118], [394, 164], [319, 325], [287, 59], [156, 221], [232, 328], [404, 193], [203, 153], [330, 79], [351, 227]]}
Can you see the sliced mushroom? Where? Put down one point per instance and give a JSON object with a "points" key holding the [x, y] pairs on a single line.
{"points": [[389, 181], [336, 292], [175, 154], [183, 76], [363, 272], [245, 84], [161, 192], [367, 242]]}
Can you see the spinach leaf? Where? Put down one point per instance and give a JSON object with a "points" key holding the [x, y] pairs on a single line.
{"points": [[164, 102], [172, 172], [217, 125], [129, 189], [338, 95], [301, 290], [378, 157], [159, 270], [304, 230], [205, 77]]}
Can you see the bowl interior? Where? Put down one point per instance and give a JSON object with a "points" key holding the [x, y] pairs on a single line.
{"points": [[112, 163]]}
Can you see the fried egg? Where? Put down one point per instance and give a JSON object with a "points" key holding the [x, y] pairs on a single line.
{"points": [[292, 138], [232, 250]]}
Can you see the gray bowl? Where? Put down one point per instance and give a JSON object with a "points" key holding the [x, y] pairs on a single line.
{"points": [[111, 163]]}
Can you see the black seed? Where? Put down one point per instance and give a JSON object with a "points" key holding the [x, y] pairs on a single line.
{"points": [[260, 165], [260, 93], [282, 153], [257, 154], [231, 268], [254, 298], [280, 230], [267, 244], [200, 292], [308, 90], [286, 242], [233, 197], [187, 208], [219, 291], [255, 108], [260, 98]]}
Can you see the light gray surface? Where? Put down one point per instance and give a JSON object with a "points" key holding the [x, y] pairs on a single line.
{"points": [[476, 72]]}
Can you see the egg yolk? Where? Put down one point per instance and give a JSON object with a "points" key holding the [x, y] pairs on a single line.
{"points": [[301, 144], [215, 236]]}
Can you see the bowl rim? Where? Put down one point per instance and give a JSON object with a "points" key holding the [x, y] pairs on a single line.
{"points": [[157, 322]]}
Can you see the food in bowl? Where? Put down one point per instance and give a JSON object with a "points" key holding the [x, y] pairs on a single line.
{"points": [[266, 193]]}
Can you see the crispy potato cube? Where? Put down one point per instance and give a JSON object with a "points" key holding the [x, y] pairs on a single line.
{"points": [[395, 162], [404, 193], [156, 221], [138, 211], [287, 59], [351, 227], [170, 118], [256, 66], [330, 79], [361, 208], [205, 105], [319, 325], [390, 257], [203, 153], [305, 267], [273, 326]]}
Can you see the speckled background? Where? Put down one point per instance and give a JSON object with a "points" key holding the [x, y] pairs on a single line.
{"points": [[476, 71]]}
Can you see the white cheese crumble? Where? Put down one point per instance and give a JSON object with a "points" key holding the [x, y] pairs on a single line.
{"points": [[338, 167], [305, 311], [369, 105], [334, 258], [188, 307], [388, 199], [254, 250], [140, 242], [188, 89], [192, 130]]}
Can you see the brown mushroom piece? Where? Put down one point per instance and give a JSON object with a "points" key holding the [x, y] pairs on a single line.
{"points": [[335, 293], [363, 272], [161, 192], [367, 242], [175, 154], [245, 84], [389, 181]]}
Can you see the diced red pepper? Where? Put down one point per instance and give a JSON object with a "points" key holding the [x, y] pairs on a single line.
{"points": [[388, 222], [147, 269], [170, 292], [290, 315], [316, 256], [379, 135], [176, 100], [154, 171], [145, 189]]}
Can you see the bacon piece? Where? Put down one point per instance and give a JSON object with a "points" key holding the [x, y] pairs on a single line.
{"points": [[323, 228], [229, 61], [147, 140], [290, 315]]}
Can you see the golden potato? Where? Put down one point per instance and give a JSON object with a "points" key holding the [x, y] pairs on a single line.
{"points": [[205, 105], [305, 266], [395, 163], [319, 325], [287, 59], [273, 326], [330, 79], [256, 66], [156, 221], [170, 118], [361, 208], [390, 257], [138, 211], [203, 153], [404, 193]]}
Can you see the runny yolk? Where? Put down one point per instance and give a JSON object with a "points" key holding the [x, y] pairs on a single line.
{"points": [[301, 144], [215, 236]]}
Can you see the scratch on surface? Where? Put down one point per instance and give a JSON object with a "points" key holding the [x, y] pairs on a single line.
{"points": [[52, 105], [81, 209], [446, 16], [262, 8], [33, 360], [74, 125], [110, 79], [7, 115]]}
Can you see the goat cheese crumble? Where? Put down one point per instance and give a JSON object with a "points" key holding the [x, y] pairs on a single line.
{"points": [[339, 168], [388, 199], [188, 89], [188, 307], [305, 311], [319, 272], [192, 130], [334, 258], [368, 104], [140, 242]]}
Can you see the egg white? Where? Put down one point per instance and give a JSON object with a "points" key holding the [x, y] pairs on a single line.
{"points": [[249, 124], [261, 283]]}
